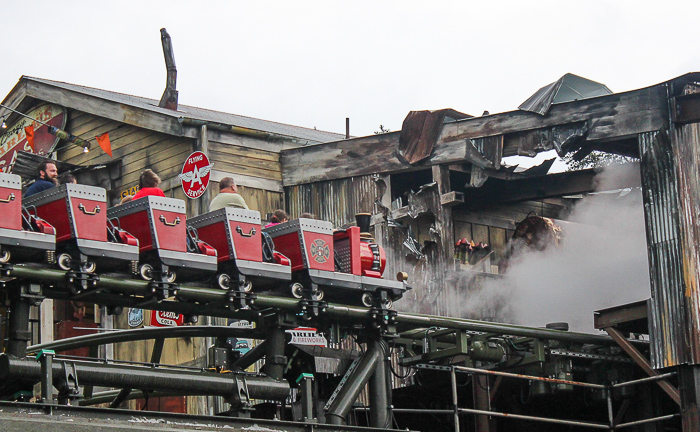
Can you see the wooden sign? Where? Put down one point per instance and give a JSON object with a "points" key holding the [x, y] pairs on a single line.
{"points": [[14, 138]]}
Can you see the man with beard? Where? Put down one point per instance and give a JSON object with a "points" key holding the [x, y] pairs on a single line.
{"points": [[48, 175]]}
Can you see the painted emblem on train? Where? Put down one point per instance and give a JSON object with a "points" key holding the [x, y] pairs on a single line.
{"points": [[320, 251]]}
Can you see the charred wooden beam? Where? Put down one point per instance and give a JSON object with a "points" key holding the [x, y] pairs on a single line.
{"points": [[452, 198], [606, 118], [686, 108], [553, 185], [112, 110]]}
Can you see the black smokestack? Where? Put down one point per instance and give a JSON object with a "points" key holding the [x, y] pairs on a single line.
{"points": [[363, 221]]}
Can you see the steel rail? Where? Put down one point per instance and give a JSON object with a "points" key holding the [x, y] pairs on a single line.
{"points": [[501, 414], [643, 380], [527, 377], [645, 421], [145, 333], [209, 301]]}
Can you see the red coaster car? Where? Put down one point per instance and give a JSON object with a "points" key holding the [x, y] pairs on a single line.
{"points": [[23, 237], [85, 239], [245, 260], [167, 248], [345, 266]]}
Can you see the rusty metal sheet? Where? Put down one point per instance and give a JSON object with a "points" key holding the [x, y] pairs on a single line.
{"points": [[670, 165], [420, 131]]}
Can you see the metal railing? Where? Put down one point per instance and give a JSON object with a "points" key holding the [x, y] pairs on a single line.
{"points": [[457, 412]]}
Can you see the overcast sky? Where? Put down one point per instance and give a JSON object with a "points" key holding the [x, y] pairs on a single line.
{"points": [[313, 64]]}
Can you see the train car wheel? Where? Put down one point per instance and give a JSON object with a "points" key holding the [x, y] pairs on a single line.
{"points": [[64, 261], [223, 281], [247, 286], [146, 272], [297, 290], [170, 276], [318, 295], [4, 256], [367, 299], [388, 304], [90, 267]]}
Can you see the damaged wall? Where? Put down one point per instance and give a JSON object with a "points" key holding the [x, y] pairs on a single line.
{"points": [[336, 201]]}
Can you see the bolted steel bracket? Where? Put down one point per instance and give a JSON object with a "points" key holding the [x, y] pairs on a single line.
{"points": [[70, 389], [310, 309], [241, 405], [162, 290], [5, 270], [79, 281], [236, 299], [384, 320]]}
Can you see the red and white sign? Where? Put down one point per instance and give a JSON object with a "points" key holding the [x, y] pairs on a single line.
{"points": [[14, 139], [195, 174], [307, 336], [166, 319]]}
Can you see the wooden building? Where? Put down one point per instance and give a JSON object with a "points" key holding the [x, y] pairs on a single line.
{"points": [[441, 179], [145, 135]]}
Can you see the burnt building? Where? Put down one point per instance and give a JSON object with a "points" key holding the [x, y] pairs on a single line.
{"points": [[451, 212]]}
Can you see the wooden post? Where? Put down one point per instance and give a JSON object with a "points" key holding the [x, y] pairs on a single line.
{"points": [[202, 144], [46, 317], [443, 215], [442, 233]]}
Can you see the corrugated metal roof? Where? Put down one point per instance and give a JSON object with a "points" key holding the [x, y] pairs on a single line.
{"points": [[199, 113]]}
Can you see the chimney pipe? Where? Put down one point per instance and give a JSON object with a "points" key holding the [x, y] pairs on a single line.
{"points": [[169, 98], [363, 221]]}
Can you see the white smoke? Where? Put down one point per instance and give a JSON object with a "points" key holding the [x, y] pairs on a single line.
{"points": [[601, 262]]}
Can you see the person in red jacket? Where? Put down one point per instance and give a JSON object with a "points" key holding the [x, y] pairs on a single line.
{"points": [[148, 185]]}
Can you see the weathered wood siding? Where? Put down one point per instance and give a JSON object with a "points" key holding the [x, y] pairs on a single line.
{"points": [[137, 148], [337, 201], [243, 155]]}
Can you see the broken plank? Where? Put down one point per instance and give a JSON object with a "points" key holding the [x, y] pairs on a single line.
{"points": [[452, 198]]}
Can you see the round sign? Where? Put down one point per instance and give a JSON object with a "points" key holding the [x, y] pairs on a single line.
{"points": [[195, 174]]}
